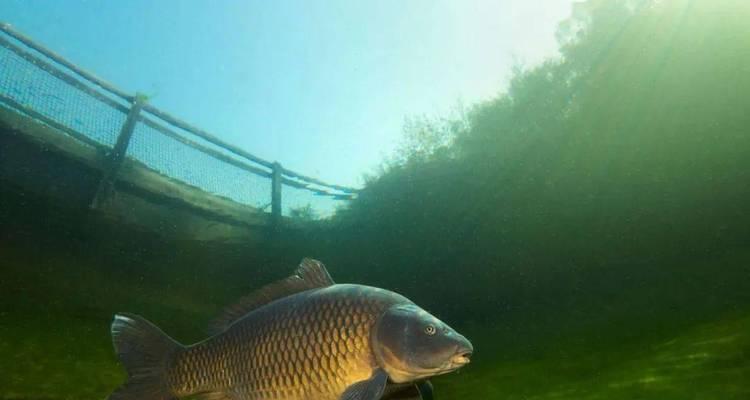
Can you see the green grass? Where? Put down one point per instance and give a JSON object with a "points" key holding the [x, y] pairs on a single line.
{"points": [[57, 359], [57, 305], [710, 361], [68, 358]]}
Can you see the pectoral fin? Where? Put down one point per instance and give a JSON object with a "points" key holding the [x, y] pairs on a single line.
{"points": [[425, 390], [411, 391], [369, 389]]}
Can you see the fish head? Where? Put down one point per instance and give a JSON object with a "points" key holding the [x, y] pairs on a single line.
{"points": [[411, 344]]}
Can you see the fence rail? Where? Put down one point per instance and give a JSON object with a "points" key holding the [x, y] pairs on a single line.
{"points": [[134, 116]]}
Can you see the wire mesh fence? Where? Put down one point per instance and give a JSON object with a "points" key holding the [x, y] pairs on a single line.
{"points": [[37, 82], [189, 165], [31, 86]]}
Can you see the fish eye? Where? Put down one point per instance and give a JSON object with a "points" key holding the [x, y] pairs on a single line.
{"points": [[430, 329]]}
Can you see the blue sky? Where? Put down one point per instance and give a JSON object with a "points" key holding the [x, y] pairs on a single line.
{"points": [[321, 86]]}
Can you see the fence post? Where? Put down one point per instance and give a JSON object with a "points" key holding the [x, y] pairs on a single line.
{"points": [[276, 193], [117, 155]]}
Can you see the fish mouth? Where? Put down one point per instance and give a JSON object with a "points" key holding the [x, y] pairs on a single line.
{"points": [[455, 362], [462, 358]]}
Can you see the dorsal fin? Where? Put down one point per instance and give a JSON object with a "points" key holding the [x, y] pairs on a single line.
{"points": [[310, 274]]}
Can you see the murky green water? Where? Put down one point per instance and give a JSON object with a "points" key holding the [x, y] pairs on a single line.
{"points": [[588, 231], [61, 290]]}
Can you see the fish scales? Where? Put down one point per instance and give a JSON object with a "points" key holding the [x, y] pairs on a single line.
{"points": [[310, 345], [301, 338]]}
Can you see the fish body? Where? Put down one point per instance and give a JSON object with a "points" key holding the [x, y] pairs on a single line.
{"points": [[322, 341], [310, 345]]}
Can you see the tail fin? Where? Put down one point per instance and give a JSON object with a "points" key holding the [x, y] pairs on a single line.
{"points": [[144, 350]]}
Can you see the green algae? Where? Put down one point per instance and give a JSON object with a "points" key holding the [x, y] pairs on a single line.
{"points": [[73, 359], [710, 361], [58, 344]]}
